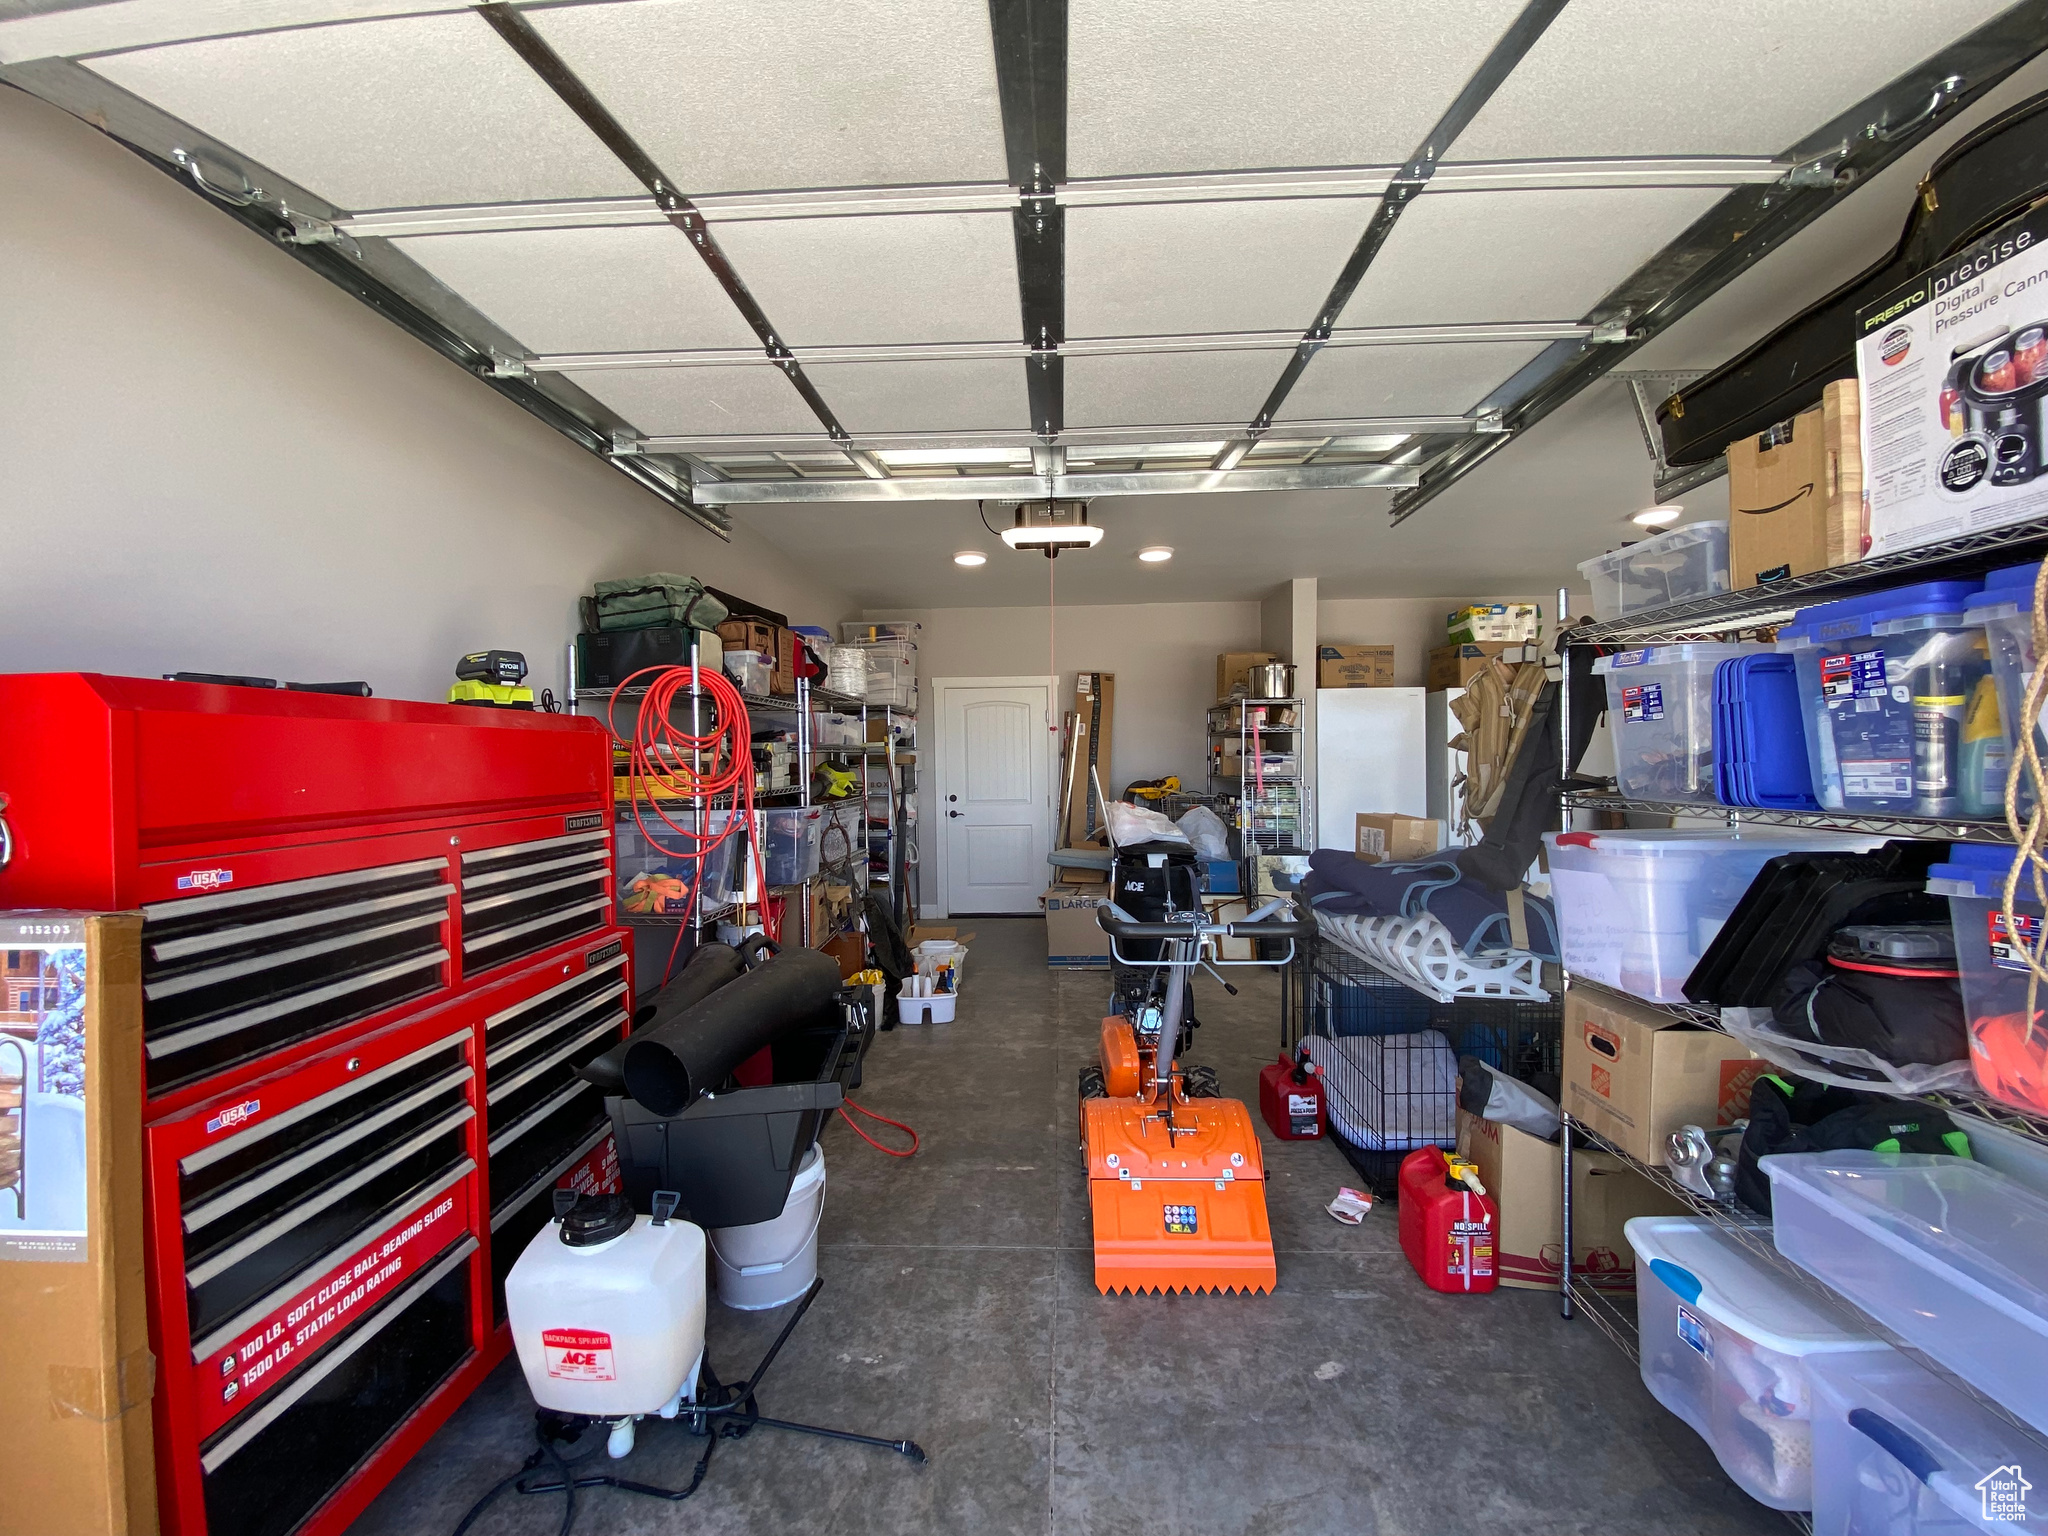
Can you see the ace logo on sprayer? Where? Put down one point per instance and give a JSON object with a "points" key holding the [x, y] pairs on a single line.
{"points": [[578, 1354]]}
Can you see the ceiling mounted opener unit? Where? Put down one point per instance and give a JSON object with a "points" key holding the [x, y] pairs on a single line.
{"points": [[1052, 526]]}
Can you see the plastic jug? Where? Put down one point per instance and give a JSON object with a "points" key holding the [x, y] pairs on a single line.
{"points": [[1448, 1224], [607, 1309], [1291, 1098]]}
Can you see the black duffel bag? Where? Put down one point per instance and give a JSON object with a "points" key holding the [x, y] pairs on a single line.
{"points": [[1790, 1114]]}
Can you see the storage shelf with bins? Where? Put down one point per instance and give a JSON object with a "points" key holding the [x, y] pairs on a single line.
{"points": [[1725, 616], [801, 707], [1271, 807]]}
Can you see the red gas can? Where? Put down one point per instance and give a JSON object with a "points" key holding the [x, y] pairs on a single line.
{"points": [[1291, 1098], [1447, 1227]]}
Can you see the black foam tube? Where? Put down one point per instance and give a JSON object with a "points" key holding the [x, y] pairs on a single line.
{"points": [[678, 1056], [709, 967]]}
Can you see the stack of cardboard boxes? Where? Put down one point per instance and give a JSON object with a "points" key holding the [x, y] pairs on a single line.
{"points": [[1478, 633]]}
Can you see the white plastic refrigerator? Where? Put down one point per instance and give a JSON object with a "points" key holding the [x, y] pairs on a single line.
{"points": [[1369, 757]]}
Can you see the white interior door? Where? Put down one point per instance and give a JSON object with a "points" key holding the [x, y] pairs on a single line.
{"points": [[995, 793]]}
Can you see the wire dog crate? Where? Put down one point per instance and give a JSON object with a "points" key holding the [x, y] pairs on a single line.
{"points": [[1389, 1055]]}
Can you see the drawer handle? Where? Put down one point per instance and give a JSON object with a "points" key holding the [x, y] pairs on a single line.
{"points": [[1682, 1282], [1895, 1442]]}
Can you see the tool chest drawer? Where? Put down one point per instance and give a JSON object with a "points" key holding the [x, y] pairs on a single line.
{"points": [[237, 974], [519, 898]]}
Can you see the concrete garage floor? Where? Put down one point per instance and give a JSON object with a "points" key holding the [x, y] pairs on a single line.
{"points": [[959, 1311]]}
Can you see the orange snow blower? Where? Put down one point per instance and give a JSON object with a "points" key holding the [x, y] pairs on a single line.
{"points": [[1176, 1185]]}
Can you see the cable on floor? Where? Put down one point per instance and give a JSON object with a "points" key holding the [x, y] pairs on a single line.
{"points": [[885, 1120]]}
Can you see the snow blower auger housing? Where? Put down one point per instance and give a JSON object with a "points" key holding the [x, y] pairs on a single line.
{"points": [[1176, 1183]]}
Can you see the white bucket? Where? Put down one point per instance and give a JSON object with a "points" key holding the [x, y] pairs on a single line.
{"points": [[937, 1009], [772, 1262]]}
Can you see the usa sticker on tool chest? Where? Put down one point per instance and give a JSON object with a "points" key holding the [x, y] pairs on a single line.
{"points": [[1644, 701], [578, 1354], [1180, 1221]]}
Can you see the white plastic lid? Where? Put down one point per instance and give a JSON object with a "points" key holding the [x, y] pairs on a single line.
{"points": [[1715, 1276], [1979, 1230], [1676, 655], [1653, 844]]}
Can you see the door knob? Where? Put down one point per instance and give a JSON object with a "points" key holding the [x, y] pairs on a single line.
{"points": [[953, 813], [952, 797]]}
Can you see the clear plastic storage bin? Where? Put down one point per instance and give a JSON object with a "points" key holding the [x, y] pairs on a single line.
{"points": [[2005, 610], [1726, 1340], [891, 679], [1957, 742], [1897, 1451], [656, 871], [1946, 1253], [2008, 1050], [1665, 568], [1660, 706], [867, 631], [790, 839], [836, 730], [1636, 910], [751, 671]]}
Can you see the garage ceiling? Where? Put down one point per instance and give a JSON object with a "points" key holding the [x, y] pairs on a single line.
{"points": [[926, 249]]}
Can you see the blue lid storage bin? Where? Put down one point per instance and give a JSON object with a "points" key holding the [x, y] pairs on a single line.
{"points": [[1760, 735], [1660, 706]]}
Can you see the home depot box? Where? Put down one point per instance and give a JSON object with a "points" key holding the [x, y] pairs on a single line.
{"points": [[1521, 1172], [1384, 839], [1795, 493], [1354, 666], [1634, 1074], [1072, 936], [1453, 666], [1233, 671], [1954, 367], [74, 1330]]}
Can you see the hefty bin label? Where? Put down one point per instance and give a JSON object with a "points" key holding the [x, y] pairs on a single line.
{"points": [[1858, 676], [1695, 1334], [2006, 955], [578, 1354], [1642, 701]]}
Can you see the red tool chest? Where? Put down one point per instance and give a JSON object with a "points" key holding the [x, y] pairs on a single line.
{"points": [[378, 942]]}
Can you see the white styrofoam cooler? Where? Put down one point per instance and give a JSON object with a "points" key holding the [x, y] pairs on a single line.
{"points": [[1945, 1252], [767, 1263], [1725, 1344], [1897, 1451]]}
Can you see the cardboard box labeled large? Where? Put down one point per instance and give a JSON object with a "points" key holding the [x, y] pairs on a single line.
{"points": [[1354, 666], [1234, 672], [74, 1345], [1072, 936], [1384, 839], [1634, 1074], [1453, 666], [1795, 493], [1953, 365], [1522, 1173]]}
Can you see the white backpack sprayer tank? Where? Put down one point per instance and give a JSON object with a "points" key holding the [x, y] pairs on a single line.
{"points": [[607, 1311]]}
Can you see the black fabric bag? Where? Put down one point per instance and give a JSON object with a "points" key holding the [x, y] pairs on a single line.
{"points": [[1906, 1020], [891, 954], [1790, 1114]]}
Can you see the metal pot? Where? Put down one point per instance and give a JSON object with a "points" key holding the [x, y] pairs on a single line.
{"points": [[1274, 680]]}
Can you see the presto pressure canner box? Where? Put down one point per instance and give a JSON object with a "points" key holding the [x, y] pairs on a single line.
{"points": [[1954, 374]]}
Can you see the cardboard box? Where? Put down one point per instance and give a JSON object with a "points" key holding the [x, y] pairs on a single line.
{"points": [[1635, 1074], [1522, 1173], [1072, 936], [74, 1348], [1384, 839], [1494, 623], [1354, 666], [1453, 666], [1234, 671], [1795, 493], [1951, 442], [1094, 732]]}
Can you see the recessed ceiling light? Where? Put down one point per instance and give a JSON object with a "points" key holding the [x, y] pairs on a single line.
{"points": [[1657, 517], [970, 557], [1155, 554]]}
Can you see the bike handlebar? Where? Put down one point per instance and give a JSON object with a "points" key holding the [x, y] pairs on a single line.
{"points": [[1117, 925]]}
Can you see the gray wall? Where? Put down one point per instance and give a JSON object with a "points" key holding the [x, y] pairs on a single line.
{"points": [[211, 459]]}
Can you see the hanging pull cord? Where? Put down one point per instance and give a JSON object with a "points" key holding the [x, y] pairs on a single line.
{"points": [[849, 1105]]}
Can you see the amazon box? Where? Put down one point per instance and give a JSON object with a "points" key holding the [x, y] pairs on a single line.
{"points": [[1795, 493], [1521, 1172], [74, 1343], [1634, 1074]]}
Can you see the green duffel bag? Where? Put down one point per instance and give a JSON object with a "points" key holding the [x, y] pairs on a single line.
{"points": [[660, 598]]}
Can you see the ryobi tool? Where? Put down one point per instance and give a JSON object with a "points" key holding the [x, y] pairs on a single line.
{"points": [[493, 678]]}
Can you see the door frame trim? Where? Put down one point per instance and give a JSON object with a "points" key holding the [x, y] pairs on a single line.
{"points": [[940, 687]]}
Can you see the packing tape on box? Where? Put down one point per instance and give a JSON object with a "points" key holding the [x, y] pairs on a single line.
{"points": [[89, 1392]]}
